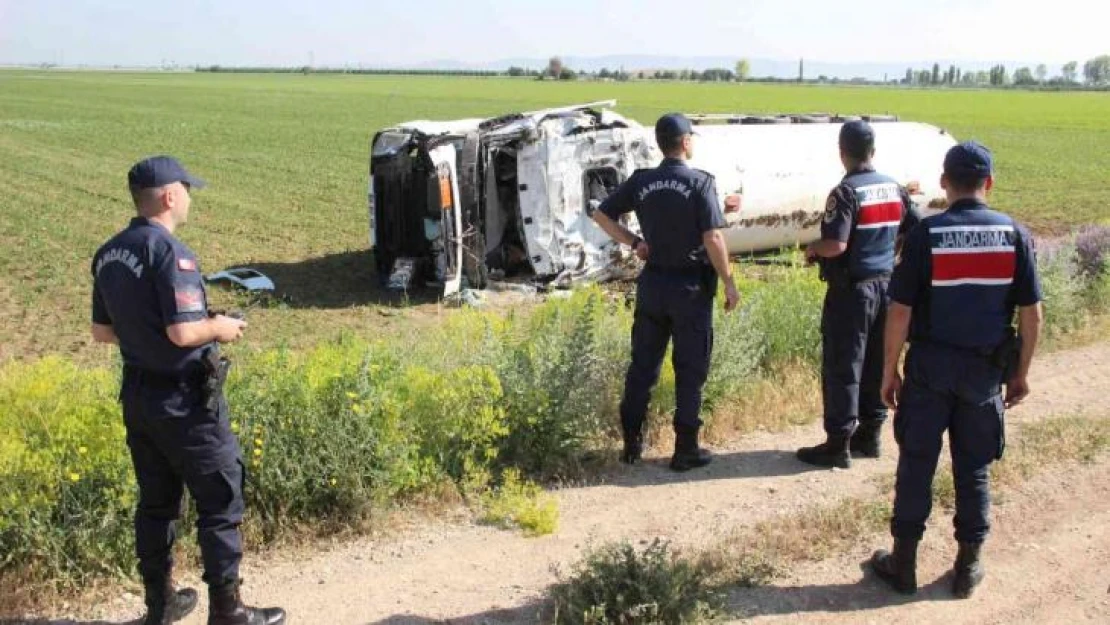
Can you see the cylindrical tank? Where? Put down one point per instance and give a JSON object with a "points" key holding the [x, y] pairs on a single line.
{"points": [[782, 174]]}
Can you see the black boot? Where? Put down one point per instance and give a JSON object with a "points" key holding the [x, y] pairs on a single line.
{"points": [[898, 569], [687, 454], [164, 605], [969, 570], [832, 453], [865, 441], [633, 449], [226, 608]]}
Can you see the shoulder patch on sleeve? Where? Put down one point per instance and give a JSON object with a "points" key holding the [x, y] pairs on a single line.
{"points": [[186, 264], [189, 299], [830, 208]]}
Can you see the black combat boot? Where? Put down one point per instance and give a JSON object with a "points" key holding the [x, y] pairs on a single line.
{"points": [[687, 454], [164, 605], [633, 449], [969, 570], [832, 453], [865, 441], [898, 569], [226, 608]]}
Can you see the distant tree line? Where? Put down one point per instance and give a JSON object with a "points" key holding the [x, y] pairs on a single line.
{"points": [[347, 70], [1096, 75]]}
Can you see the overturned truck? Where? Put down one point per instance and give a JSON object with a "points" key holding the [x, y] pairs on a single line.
{"points": [[459, 204]]}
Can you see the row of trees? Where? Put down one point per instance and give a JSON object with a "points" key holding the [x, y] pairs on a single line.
{"points": [[1096, 72]]}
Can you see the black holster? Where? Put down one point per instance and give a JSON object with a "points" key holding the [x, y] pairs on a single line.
{"points": [[216, 368], [1007, 354]]}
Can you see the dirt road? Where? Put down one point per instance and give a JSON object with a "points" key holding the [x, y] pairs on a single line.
{"points": [[1049, 556]]}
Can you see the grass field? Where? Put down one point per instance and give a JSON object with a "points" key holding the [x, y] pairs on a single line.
{"points": [[286, 157]]}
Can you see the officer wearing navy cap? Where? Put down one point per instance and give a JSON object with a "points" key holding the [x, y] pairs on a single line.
{"points": [[961, 276], [865, 216], [680, 217], [148, 297]]}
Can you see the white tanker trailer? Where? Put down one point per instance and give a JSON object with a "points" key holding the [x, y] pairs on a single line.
{"points": [[460, 203]]}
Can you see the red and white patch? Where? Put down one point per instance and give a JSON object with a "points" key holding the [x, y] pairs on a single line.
{"points": [[186, 264], [880, 206], [978, 255], [189, 299]]}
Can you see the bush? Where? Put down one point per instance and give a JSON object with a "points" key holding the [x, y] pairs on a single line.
{"points": [[558, 377], [65, 475], [1063, 287], [617, 584], [785, 308], [517, 503]]}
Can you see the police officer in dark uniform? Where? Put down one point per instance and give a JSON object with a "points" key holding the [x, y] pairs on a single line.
{"points": [[865, 216], [961, 276], [679, 215], [149, 298]]}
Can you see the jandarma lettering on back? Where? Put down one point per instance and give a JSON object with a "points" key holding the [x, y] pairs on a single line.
{"points": [[665, 185], [120, 255], [986, 238]]}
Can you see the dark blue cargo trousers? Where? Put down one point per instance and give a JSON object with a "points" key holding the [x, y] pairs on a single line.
{"points": [[957, 390], [669, 306]]}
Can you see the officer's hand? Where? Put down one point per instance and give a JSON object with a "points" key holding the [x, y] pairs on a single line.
{"points": [[642, 250], [892, 389], [1017, 389], [228, 329], [811, 256], [732, 296]]}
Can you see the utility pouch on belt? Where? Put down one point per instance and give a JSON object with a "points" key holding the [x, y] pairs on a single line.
{"points": [[216, 368], [1007, 355]]}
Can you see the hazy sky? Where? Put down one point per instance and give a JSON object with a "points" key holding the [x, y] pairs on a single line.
{"points": [[376, 32]]}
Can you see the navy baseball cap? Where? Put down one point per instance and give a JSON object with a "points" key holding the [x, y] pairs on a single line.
{"points": [[969, 159], [674, 125], [158, 171], [857, 137]]}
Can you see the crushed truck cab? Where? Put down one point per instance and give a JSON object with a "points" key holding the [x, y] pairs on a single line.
{"points": [[461, 203]]}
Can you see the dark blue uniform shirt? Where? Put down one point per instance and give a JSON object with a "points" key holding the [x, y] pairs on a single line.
{"points": [[867, 210], [963, 272], [675, 205], [144, 280]]}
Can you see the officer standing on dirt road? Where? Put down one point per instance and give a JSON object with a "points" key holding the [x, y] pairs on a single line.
{"points": [[148, 297], [962, 274], [865, 217], [678, 212]]}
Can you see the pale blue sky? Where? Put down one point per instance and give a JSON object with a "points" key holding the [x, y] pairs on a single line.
{"points": [[394, 32]]}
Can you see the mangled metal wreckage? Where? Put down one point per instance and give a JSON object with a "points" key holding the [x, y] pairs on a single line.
{"points": [[463, 203]]}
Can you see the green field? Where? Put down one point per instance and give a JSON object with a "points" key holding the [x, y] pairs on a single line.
{"points": [[286, 157]]}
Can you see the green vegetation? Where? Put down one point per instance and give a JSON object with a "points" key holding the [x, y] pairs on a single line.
{"points": [[347, 404], [464, 413], [520, 504], [615, 583], [286, 156]]}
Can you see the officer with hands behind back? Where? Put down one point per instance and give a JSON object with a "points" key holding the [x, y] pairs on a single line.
{"points": [[678, 211], [148, 298], [962, 274]]}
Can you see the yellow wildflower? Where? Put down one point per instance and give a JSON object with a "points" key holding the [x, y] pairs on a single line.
{"points": [[257, 452], [82, 450], [333, 481], [351, 395], [258, 442], [73, 477]]}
